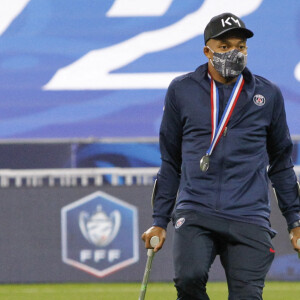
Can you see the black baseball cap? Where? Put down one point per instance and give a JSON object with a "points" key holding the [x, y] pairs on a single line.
{"points": [[225, 22]]}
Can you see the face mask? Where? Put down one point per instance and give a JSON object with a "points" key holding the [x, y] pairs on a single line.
{"points": [[229, 64]]}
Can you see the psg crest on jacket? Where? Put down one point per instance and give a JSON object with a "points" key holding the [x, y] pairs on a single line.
{"points": [[259, 100]]}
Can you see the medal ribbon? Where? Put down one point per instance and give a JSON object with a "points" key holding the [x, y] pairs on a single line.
{"points": [[218, 129]]}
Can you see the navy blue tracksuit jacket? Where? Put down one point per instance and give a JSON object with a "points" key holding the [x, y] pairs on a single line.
{"points": [[236, 184]]}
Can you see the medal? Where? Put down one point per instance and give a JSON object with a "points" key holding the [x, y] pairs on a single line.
{"points": [[218, 129], [204, 163]]}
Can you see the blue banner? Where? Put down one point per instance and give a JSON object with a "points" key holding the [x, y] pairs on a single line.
{"points": [[89, 68]]}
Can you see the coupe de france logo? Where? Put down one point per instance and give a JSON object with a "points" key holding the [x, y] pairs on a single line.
{"points": [[99, 234]]}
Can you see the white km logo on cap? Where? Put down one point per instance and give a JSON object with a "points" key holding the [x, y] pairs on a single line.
{"points": [[228, 23]]}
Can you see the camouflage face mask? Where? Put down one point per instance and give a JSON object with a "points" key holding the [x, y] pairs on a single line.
{"points": [[229, 64]]}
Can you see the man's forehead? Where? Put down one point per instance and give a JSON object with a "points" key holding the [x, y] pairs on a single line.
{"points": [[230, 39], [230, 35], [227, 39], [237, 34]]}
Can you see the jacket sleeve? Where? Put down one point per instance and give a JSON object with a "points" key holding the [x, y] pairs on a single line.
{"points": [[281, 172], [168, 177]]}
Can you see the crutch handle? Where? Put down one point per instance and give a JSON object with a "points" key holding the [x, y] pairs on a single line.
{"points": [[150, 253]]}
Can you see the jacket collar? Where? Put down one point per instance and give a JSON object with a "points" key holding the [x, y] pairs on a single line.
{"points": [[200, 76]]}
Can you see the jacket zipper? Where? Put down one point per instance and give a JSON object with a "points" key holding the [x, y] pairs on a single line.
{"points": [[221, 170], [225, 131]]}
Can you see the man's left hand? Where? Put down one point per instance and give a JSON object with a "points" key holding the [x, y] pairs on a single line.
{"points": [[295, 235]]}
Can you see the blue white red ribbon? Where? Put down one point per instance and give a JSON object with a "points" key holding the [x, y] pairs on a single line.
{"points": [[218, 129]]}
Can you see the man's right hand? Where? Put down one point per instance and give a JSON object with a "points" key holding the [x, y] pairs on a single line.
{"points": [[154, 231]]}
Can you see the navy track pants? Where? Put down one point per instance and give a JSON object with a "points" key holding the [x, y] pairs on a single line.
{"points": [[245, 250]]}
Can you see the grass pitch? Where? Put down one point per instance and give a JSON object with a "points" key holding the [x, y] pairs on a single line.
{"points": [[130, 291]]}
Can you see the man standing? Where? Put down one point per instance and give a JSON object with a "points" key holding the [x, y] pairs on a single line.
{"points": [[222, 126]]}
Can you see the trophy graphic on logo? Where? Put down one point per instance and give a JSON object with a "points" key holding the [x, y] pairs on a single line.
{"points": [[99, 228]]}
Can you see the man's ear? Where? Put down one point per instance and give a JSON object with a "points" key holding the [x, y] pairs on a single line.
{"points": [[207, 52]]}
